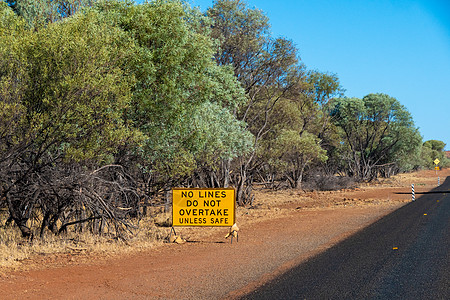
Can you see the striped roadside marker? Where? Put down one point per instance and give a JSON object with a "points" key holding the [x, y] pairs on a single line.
{"points": [[413, 194]]}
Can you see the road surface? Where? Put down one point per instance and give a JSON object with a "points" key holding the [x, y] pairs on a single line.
{"points": [[405, 255]]}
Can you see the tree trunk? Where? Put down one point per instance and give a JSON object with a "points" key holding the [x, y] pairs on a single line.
{"points": [[226, 172]]}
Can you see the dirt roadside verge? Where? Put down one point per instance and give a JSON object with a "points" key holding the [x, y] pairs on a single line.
{"points": [[282, 230]]}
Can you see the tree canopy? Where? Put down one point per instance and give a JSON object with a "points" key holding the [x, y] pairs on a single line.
{"points": [[377, 131]]}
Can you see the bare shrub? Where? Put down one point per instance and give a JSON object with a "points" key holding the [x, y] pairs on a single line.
{"points": [[59, 196]]}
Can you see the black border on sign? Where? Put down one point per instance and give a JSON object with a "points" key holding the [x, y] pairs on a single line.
{"points": [[210, 189]]}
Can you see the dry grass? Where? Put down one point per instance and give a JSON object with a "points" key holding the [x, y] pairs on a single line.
{"points": [[75, 247], [15, 252]]}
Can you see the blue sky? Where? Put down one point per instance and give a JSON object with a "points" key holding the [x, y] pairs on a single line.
{"points": [[397, 47]]}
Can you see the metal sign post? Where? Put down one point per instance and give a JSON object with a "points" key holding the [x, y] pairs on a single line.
{"points": [[436, 162]]}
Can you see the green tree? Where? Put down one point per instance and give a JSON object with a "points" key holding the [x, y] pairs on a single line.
{"points": [[435, 145], [295, 152], [64, 95], [295, 125], [176, 82], [39, 13], [322, 87], [267, 69], [432, 150], [377, 131], [242, 34]]}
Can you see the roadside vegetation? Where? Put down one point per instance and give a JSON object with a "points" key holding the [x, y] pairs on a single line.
{"points": [[107, 105]]}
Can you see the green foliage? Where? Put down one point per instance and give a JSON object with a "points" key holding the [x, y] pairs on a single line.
{"points": [[435, 145], [176, 80], [292, 145], [259, 61], [241, 32], [324, 86], [217, 134], [77, 89], [296, 151], [39, 13], [63, 93], [66, 82], [12, 75], [432, 150], [377, 131]]}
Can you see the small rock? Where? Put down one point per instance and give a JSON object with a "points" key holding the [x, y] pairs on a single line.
{"points": [[180, 240]]}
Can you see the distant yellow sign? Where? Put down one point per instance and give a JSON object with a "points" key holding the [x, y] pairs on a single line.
{"points": [[203, 207], [436, 161]]}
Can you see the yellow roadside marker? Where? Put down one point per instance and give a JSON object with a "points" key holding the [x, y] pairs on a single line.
{"points": [[395, 248], [424, 214]]}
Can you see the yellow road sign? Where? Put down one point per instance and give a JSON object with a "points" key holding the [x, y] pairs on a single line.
{"points": [[203, 207], [436, 161]]}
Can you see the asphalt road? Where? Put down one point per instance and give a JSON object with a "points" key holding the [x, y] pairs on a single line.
{"points": [[405, 255]]}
